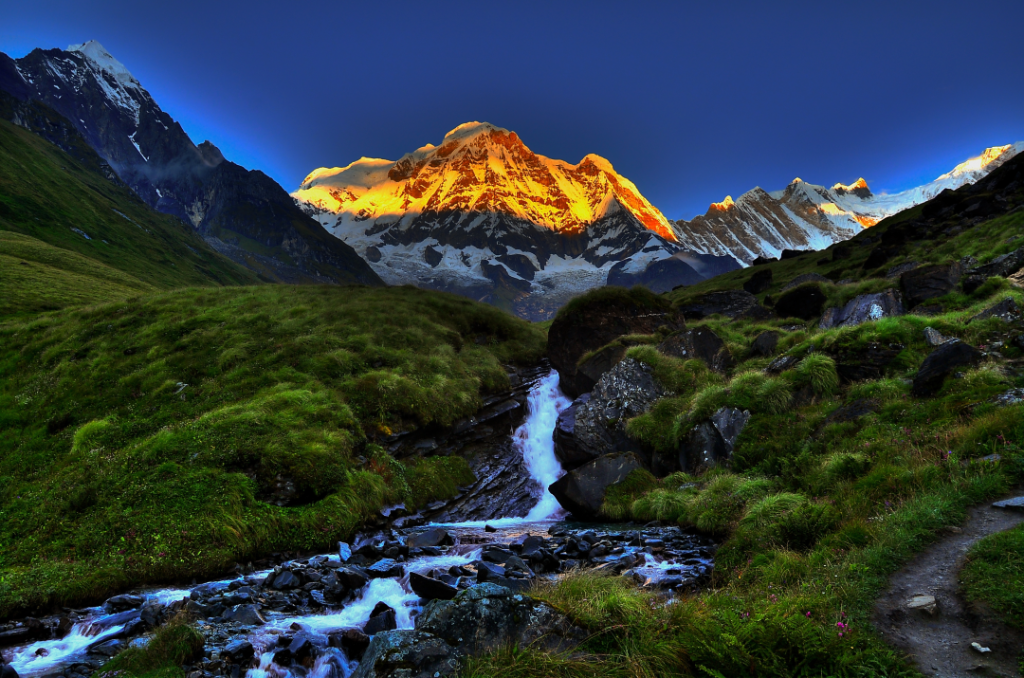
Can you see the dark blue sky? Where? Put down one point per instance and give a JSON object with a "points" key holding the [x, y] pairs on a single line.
{"points": [[689, 101]]}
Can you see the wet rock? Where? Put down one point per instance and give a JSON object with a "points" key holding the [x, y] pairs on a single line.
{"points": [[7, 671], [382, 618], [285, 580], [385, 568], [864, 308], [433, 537], [487, 617], [201, 611], [933, 337], [760, 281], [404, 522], [626, 391], [122, 602], [351, 578], [429, 588], [247, 615], [929, 282], [408, 654], [581, 491], [568, 453], [108, 648], [302, 648], [942, 362], [344, 551], [700, 343], [593, 368], [730, 303], [804, 302], [765, 343], [584, 327], [238, 652], [1006, 310], [352, 642]]}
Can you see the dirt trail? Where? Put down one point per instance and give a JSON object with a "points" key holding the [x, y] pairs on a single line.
{"points": [[940, 644]]}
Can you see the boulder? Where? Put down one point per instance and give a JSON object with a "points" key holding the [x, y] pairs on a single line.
{"points": [[699, 343], [352, 642], [108, 648], [488, 617], [344, 551], [599, 318], [781, 364], [865, 362], [765, 343], [382, 618], [238, 652], [568, 453], [1016, 503], [581, 491], [1006, 310], [759, 282], [929, 282], [595, 366], [125, 601], [802, 302], [351, 578], [429, 588], [942, 362], [7, 671], [285, 579], [761, 260], [730, 303], [899, 269], [408, 654], [247, 615], [933, 337], [385, 568], [1003, 266], [864, 308], [702, 449], [970, 283], [730, 422], [436, 536], [624, 392]]}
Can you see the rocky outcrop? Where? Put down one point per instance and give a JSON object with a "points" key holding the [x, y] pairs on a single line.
{"points": [[730, 303], [864, 308], [598, 319], [1003, 266], [581, 491], [928, 282], [804, 302], [700, 343], [765, 344], [408, 654], [626, 391], [594, 367], [941, 363], [1006, 310], [711, 442]]}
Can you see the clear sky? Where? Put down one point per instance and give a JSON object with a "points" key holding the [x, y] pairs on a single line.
{"points": [[689, 100]]}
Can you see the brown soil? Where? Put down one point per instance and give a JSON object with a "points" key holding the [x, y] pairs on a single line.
{"points": [[940, 644]]}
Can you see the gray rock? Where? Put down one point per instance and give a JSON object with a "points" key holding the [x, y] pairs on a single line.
{"points": [[408, 654], [942, 362], [864, 308], [568, 452], [730, 422], [247, 615], [108, 648], [581, 491], [624, 392], [899, 269], [344, 551], [285, 579], [429, 588], [238, 652], [1014, 503], [929, 282], [922, 602], [1006, 310], [487, 617], [1003, 266], [702, 449], [765, 343], [124, 601], [933, 337], [385, 568], [730, 303], [594, 367], [433, 537], [700, 343]]}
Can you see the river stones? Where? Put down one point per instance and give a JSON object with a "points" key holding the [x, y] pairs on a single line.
{"points": [[247, 615], [429, 588], [238, 652], [386, 568], [433, 537]]}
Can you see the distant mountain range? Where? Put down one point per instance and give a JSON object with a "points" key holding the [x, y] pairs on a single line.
{"points": [[243, 214], [804, 216], [483, 215]]}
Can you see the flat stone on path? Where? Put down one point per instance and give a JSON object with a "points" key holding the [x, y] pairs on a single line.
{"points": [[922, 602], [1015, 503]]}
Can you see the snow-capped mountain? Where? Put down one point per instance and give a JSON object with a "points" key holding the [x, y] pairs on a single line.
{"points": [[243, 214], [483, 215], [805, 216]]}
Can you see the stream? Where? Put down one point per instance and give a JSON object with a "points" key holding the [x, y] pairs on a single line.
{"points": [[312, 617]]}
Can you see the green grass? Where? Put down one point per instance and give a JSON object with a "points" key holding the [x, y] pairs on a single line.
{"points": [[45, 194], [994, 574], [175, 643], [113, 473]]}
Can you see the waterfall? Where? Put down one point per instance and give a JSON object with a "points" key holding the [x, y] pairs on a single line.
{"points": [[533, 439]]}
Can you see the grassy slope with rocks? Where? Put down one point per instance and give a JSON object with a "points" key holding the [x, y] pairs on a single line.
{"points": [[814, 513], [45, 194], [114, 473]]}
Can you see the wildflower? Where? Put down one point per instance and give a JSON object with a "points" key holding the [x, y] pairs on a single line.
{"points": [[808, 615]]}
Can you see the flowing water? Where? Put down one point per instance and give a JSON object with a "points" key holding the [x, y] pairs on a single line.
{"points": [[533, 439]]}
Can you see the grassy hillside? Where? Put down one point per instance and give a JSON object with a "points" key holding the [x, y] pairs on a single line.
{"points": [[833, 484], [146, 439], [84, 238]]}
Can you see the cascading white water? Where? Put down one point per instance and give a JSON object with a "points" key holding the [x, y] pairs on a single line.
{"points": [[534, 441]]}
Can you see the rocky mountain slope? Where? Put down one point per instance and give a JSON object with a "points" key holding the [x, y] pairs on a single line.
{"points": [[243, 214], [483, 215], [804, 216]]}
